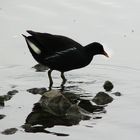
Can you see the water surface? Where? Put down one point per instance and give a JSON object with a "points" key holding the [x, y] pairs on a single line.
{"points": [[113, 23]]}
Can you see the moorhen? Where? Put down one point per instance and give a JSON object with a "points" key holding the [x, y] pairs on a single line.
{"points": [[61, 53]]}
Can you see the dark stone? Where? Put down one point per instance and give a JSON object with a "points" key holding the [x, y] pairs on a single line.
{"points": [[117, 93], [73, 98], [2, 101], [7, 97], [108, 86], [88, 106], [12, 92], [47, 119], [102, 98], [40, 91], [74, 115], [40, 68], [54, 102], [2, 116], [10, 131], [55, 109]]}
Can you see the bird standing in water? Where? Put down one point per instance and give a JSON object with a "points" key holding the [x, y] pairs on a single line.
{"points": [[61, 53]]}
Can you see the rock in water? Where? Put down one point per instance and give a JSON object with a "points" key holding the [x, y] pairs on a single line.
{"points": [[108, 86], [7, 97], [40, 91], [10, 131], [54, 102], [12, 92], [88, 106], [102, 98], [2, 116], [54, 109]]}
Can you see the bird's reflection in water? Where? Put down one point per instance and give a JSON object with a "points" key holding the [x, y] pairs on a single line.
{"points": [[59, 107]]}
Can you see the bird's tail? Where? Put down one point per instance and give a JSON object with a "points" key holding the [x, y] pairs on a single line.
{"points": [[31, 32], [32, 45], [24, 35]]}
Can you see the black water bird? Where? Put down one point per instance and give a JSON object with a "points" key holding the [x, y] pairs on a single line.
{"points": [[61, 53]]}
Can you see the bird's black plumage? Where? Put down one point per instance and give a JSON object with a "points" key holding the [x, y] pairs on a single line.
{"points": [[61, 53]]}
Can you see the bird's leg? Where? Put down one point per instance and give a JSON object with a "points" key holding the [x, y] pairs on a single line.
{"points": [[63, 78], [50, 79]]}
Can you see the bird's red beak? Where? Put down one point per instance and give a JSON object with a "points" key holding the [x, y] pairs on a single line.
{"points": [[105, 54]]}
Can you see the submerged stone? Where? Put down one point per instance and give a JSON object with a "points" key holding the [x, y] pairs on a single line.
{"points": [[108, 86], [10, 131], [7, 97], [12, 92], [117, 93], [55, 109], [2, 116], [72, 97], [74, 115], [102, 98], [54, 102], [37, 90], [88, 106]]}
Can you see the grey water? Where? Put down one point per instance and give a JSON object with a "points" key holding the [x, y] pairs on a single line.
{"points": [[113, 23]]}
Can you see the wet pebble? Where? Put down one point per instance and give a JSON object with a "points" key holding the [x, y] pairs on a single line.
{"points": [[102, 98], [108, 86], [9, 131]]}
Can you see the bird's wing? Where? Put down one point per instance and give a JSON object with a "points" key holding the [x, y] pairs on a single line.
{"points": [[54, 43], [66, 60]]}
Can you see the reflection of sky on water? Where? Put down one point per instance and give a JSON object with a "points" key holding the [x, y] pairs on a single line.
{"points": [[113, 23]]}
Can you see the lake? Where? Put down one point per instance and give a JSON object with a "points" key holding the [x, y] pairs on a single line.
{"points": [[114, 23]]}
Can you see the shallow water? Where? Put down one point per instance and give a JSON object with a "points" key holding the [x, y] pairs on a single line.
{"points": [[113, 23]]}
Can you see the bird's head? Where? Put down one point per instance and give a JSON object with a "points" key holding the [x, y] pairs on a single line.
{"points": [[96, 48]]}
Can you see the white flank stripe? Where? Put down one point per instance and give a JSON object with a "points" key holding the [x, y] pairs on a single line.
{"points": [[34, 47], [58, 54]]}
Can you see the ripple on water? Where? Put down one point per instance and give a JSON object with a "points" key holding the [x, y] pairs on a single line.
{"points": [[79, 84]]}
